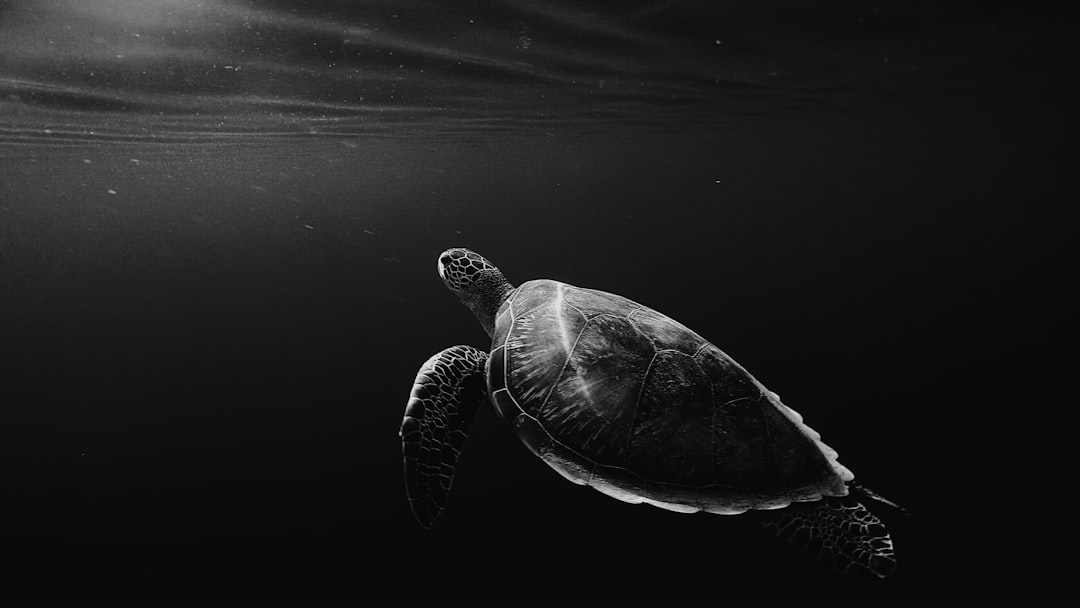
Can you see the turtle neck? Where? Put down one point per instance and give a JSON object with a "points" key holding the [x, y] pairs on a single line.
{"points": [[489, 290]]}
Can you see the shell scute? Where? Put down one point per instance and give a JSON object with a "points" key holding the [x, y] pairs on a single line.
{"points": [[672, 435], [665, 332], [588, 404], [538, 348], [729, 380], [592, 302]]}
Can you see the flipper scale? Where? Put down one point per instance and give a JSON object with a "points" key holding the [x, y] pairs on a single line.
{"points": [[448, 389], [840, 531]]}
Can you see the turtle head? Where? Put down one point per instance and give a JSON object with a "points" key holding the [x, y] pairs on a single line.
{"points": [[476, 282]]}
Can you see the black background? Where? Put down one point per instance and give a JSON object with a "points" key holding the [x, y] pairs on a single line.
{"points": [[206, 350]]}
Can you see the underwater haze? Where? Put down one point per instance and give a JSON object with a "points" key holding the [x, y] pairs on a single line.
{"points": [[219, 224]]}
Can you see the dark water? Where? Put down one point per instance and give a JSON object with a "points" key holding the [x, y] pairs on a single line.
{"points": [[218, 230]]}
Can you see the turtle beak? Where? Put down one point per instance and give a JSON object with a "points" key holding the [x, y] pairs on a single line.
{"points": [[444, 259]]}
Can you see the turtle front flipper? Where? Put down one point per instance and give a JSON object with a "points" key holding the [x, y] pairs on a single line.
{"points": [[840, 531], [447, 391]]}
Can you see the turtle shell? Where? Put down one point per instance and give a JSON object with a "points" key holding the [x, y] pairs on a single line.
{"points": [[615, 395]]}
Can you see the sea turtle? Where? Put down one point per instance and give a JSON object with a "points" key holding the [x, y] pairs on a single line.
{"points": [[614, 395]]}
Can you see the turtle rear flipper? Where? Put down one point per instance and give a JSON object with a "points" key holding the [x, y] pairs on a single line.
{"points": [[448, 389], [840, 531]]}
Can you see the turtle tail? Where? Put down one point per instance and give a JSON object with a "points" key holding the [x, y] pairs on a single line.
{"points": [[840, 531]]}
